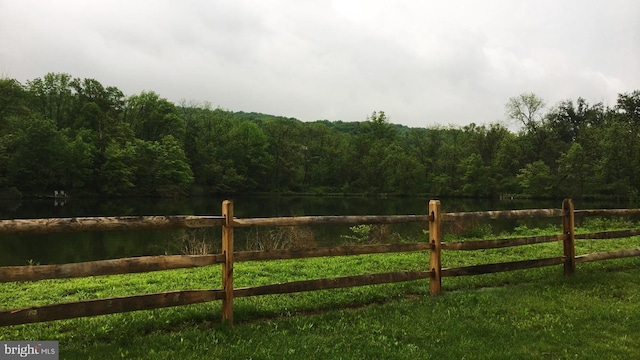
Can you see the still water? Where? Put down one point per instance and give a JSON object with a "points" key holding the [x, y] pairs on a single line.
{"points": [[76, 247]]}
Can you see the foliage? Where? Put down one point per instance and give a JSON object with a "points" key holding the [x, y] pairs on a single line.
{"points": [[536, 178], [290, 237], [370, 234], [194, 242], [60, 132], [599, 224]]}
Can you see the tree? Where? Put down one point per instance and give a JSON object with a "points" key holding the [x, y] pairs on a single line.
{"points": [[286, 153], [38, 155], [446, 174], [54, 97], [152, 117], [526, 109], [324, 157], [402, 173], [79, 159], [172, 175], [208, 134], [247, 152], [628, 104], [369, 148], [13, 100], [476, 177], [380, 127], [575, 170], [567, 120], [510, 158], [536, 179], [117, 173]]}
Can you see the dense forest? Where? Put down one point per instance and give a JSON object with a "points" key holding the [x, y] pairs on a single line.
{"points": [[76, 135]]}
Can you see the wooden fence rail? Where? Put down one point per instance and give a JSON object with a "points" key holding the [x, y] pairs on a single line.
{"points": [[48, 226], [228, 257]]}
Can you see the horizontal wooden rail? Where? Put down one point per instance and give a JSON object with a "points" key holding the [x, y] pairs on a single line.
{"points": [[79, 224], [329, 220], [606, 255], [607, 212], [77, 309], [499, 243], [506, 214], [106, 267], [609, 234], [502, 267], [333, 251], [332, 283]]}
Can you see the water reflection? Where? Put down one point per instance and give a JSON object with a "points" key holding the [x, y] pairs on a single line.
{"points": [[64, 248]]}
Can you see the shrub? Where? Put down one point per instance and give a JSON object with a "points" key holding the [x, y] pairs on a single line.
{"points": [[370, 234], [283, 237]]}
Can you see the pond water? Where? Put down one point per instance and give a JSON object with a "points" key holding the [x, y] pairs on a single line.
{"points": [[76, 247]]}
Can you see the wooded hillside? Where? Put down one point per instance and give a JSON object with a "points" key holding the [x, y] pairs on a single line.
{"points": [[63, 133]]}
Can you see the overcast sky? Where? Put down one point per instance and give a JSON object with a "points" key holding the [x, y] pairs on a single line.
{"points": [[424, 63]]}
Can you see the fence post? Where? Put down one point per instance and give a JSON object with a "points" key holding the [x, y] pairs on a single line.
{"points": [[568, 230], [435, 235], [227, 266]]}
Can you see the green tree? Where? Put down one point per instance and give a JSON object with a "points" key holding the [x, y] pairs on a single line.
{"points": [[152, 117], [286, 153], [117, 173], [209, 131], [79, 159], [508, 162], [172, 175], [247, 152], [369, 149], [324, 155], [567, 119], [402, 173], [476, 177], [13, 101], [575, 170], [537, 180], [38, 155], [53, 97], [526, 109], [446, 176]]}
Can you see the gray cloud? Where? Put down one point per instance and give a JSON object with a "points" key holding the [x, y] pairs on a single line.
{"points": [[423, 62]]}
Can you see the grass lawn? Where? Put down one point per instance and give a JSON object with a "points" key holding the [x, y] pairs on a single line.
{"points": [[526, 314]]}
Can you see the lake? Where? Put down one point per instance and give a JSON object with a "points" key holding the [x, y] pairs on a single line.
{"points": [[87, 246]]}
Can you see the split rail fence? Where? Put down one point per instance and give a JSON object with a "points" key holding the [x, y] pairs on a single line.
{"points": [[228, 257]]}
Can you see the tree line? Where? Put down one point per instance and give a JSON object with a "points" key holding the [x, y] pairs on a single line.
{"points": [[64, 133]]}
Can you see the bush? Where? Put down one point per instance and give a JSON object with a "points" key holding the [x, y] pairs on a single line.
{"points": [[370, 234], [194, 242]]}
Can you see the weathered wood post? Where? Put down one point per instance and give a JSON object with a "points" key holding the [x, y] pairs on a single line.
{"points": [[568, 230], [227, 266], [435, 234]]}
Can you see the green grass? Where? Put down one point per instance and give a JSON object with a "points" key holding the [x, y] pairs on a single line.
{"points": [[527, 314]]}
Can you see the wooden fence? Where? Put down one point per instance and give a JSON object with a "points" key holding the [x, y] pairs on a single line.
{"points": [[228, 257]]}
